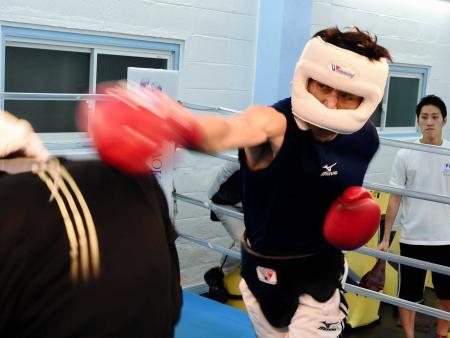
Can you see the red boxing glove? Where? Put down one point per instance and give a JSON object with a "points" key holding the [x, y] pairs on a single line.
{"points": [[352, 220], [131, 126]]}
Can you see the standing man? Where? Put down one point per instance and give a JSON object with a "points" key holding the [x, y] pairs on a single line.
{"points": [[300, 161], [425, 225]]}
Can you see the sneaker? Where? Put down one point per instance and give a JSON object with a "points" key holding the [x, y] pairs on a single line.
{"points": [[214, 278]]}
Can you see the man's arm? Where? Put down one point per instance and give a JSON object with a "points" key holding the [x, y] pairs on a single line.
{"points": [[254, 126], [398, 179], [17, 136], [259, 130], [391, 214], [225, 172], [132, 126]]}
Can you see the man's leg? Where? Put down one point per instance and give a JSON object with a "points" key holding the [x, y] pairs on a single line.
{"points": [[442, 324], [441, 255], [411, 284], [262, 327], [407, 318], [214, 277]]}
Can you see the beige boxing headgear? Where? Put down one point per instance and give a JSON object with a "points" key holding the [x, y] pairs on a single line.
{"points": [[343, 70]]}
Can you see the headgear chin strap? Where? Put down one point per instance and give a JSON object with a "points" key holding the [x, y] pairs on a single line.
{"points": [[343, 70]]}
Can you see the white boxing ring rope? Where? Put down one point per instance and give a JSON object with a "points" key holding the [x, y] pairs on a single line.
{"points": [[226, 111], [86, 148], [87, 97], [348, 287], [442, 269], [376, 186], [50, 96]]}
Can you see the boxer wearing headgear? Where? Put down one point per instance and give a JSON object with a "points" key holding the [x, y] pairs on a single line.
{"points": [[343, 70], [303, 161]]}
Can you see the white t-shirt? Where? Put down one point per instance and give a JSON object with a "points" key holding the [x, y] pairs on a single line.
{"points": [[423, 222]]}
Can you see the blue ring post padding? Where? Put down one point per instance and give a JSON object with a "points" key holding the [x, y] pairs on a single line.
{"points": [[205, 318]]}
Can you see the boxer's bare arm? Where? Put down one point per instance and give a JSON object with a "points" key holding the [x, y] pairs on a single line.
{"points": [[259, 129], [132, 126]]}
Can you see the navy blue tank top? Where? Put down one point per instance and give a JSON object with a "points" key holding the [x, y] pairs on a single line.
{"points": [[286, 203]]}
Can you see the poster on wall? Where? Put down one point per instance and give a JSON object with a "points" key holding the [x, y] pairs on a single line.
{"points": [[162, 163]]}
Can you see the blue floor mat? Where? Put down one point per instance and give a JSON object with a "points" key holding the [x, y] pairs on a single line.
{"points": [[204, 318]]}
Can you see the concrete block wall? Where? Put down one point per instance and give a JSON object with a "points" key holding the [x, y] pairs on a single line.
{"points": [[415, 32], [217, 37]]}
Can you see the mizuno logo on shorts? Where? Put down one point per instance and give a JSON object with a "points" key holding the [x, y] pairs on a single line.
{"points": [[330, 326]]}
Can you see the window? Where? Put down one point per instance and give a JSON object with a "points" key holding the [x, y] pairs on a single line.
{"points": [[405, 86], [114, 67], [36, 70], [40, 61]]}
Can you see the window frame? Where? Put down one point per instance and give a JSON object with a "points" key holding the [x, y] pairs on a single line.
{"points": [[419, 72], [92, 43]]}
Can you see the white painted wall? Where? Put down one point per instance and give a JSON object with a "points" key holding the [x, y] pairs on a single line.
{"points": [[416, 32], [218, 36]]}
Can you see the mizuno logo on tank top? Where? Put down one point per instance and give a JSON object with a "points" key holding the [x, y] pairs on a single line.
{"points": [[329, 170]]}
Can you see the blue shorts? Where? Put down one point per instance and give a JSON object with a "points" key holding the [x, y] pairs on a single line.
{"points": [[412, 280]]}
